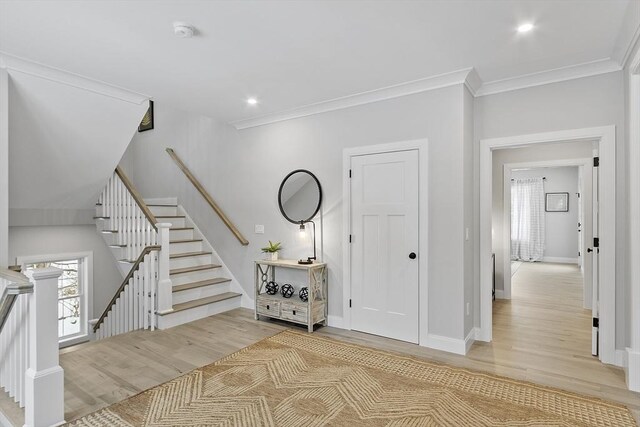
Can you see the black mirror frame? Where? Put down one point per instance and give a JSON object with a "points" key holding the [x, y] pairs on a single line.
{"points": [[315, 212]]}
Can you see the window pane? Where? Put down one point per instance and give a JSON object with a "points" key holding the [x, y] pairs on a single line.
{"points": [[68, 317]]}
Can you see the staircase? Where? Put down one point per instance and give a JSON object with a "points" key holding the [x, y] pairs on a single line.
{"points": [[201, 284], [172, 273]]}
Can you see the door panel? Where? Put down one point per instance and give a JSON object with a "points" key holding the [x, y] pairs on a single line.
{"points": [[384, 228]]}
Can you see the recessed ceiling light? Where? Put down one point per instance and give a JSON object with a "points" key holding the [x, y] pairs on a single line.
{"points": [[183, 30], [252, 101], [525, 28]]}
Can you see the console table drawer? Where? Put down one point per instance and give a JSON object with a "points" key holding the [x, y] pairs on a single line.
{"points": [[269, 308], [294, 312]]}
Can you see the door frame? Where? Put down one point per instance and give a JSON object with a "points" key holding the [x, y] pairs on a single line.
{"points": [[506, 214], [421, 145], [605, 136]]}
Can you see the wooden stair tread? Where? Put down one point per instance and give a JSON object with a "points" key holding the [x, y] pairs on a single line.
{"points": [[204, 301], [109, 231], [170, 216], [165, 206], [189, 254], [117, 246], [181, 228], [192, 269], [185, 241], [101, 217], [201, 283], [130, 261]]}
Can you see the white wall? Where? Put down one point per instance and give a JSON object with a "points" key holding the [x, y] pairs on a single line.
{"points": [[586, 102], [65, 142], [561, 228], [29, 241], [243, 170], [4, 168]]}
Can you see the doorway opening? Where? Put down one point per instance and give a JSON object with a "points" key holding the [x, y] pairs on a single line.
{"points": [[549, 147]]}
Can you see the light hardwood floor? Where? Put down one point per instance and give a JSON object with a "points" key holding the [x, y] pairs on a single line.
{"points": [[542, 335]]}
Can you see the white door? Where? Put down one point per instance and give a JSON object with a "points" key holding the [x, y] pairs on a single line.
{"points": [[594, 251], [384, 244]]}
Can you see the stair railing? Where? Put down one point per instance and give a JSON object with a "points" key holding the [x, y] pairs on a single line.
{"points": [[146, 289], [125, 212], [29, 368], [207, 197]]}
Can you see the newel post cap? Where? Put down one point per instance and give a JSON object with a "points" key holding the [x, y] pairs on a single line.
{"points": [[163, 225], [43, 273]]}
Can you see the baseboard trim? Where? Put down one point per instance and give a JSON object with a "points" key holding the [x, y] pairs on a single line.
{"points": [[451, 345], [632, 369], [469, 340], [499, 294], [560, 260], [335, 321]]}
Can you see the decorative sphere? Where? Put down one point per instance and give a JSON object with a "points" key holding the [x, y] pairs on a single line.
{"points": [[304, 294], [272, 288], [287, 290]]}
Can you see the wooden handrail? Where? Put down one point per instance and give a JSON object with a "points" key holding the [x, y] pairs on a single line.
{"points": [[134, 267], [207, 197], [137, 197]]}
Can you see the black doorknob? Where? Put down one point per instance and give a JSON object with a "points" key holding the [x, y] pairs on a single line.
{"points": [[412, 255], [589, 250]]}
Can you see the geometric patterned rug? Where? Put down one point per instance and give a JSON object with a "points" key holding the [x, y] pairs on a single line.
{"points": [[297, 379]]}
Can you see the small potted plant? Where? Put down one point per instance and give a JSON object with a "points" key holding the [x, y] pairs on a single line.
{"points": [[272, 250]]}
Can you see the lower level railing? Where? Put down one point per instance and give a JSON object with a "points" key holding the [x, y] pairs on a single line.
{"points": [[29, 369]]}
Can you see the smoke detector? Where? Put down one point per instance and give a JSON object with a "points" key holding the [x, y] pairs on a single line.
{"points": [[183, 30]]}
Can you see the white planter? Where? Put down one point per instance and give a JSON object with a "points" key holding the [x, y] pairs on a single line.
{"points": [[272, 256]]}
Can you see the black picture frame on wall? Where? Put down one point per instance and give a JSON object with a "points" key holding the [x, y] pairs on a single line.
{"points": [[556, 202], [147, 121]]}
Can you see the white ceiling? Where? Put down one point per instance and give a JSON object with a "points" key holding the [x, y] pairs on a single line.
{"points": [[290, 54]]}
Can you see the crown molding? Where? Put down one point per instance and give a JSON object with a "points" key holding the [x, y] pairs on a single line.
{"points": [[571, 72], [466, 76], [25, 66], [627, 54]]}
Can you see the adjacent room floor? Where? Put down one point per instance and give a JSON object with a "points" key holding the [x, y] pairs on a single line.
{"points": [[552, 352]]}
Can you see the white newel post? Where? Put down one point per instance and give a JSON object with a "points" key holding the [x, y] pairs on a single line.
{"points": [[44, 382], [165, 302]]}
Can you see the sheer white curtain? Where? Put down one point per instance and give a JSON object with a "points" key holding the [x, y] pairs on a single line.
{"points": [[527, 219]]}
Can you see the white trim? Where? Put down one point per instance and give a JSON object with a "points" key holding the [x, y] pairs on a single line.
{"points": [[560, 260], [587, 69], [469, 340], [451, 345], [23, 260], [633, 352], [4, 168], [606, 136], [467, 76], [162, 201], [627, 53], [36, 69], [632, 366], [335, 321], [499, 295], [422, 146], [506, 213]]}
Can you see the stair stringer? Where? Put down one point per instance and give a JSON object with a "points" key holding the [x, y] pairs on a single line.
{"points": [[246, 301]]}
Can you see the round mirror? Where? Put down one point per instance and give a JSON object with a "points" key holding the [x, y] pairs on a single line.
{"points": [[300, 196]]}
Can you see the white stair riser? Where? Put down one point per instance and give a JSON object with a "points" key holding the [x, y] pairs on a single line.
{"points": [[180, 234], [180, 248], [195, 276], [175, 222], [202, 292], [184, 316], [163, 210], [191, 261]]}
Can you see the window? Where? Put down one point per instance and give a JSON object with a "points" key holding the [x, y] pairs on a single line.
{"points": [[73, 294]]}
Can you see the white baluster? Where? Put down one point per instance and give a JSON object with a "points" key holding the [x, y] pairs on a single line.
{"points": [[164, 287]]}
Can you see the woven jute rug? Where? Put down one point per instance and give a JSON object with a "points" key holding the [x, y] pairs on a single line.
{"points": [[297, 379]]}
